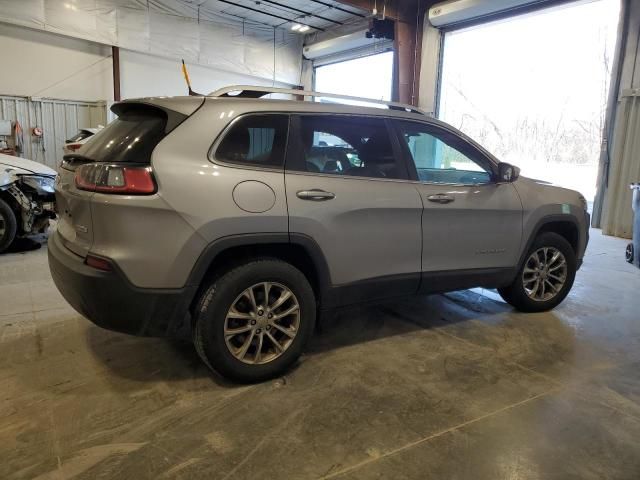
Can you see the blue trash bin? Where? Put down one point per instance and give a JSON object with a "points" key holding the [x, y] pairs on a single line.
{"points": [[633, 249]]}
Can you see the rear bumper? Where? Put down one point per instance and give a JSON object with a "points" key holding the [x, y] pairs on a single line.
{"points": [[110, 301]]}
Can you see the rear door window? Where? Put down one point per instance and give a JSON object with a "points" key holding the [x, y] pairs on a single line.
{"points": [[346, 145], [255, 140]]}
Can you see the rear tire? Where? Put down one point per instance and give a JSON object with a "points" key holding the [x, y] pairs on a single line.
{"points": [[8, 225], [545, 277], [265, 338]]}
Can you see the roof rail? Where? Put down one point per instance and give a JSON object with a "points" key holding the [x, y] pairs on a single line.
{"points": [[249, 91]]}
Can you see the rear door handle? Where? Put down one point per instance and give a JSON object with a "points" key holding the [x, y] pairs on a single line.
{"points": [[316, 195], [440, 198]]}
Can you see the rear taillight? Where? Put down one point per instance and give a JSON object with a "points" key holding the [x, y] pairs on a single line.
{"points": [[134, 180], [73, 146]]}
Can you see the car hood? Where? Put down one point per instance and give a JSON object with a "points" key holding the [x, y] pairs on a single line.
{"points": [[541, 182], [22, 166]]}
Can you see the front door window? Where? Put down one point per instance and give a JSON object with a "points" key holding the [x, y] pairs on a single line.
{"points": [[440, 156]]}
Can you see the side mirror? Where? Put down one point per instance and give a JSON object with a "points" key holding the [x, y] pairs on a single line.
{"points": [[507, 173]]}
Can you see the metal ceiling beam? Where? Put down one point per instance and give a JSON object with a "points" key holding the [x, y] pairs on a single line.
{"points": [[289, 20], [244, 20], [355, 14], [303, 12]]}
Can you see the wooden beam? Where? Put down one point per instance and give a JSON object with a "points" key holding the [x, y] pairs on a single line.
{"points": [[407, 45], [409, 19], [403, 10], [115, 58]]}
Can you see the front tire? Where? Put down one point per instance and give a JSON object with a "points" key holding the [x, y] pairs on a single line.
{"points": [[8, 225], [545, 277], [253, 321]]}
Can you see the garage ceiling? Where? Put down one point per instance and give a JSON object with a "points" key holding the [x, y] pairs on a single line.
{"points": [[319, 15]]}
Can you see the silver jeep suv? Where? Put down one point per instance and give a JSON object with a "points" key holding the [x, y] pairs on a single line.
{"points": [[234, 220]]}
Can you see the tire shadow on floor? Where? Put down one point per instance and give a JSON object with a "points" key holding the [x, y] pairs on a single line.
{"points": [[26, 244], [360, 324], [144, 359], [157, 359]]}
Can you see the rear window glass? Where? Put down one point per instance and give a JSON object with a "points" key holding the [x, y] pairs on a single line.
{"points": [[255, 140], [346, 145], [129, 138], [81, 135]]}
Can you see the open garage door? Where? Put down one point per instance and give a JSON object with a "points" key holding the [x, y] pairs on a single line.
{"points": [[355, 64], [368, 77], [533, 88]]}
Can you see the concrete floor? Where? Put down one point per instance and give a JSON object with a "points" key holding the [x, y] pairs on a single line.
{"points": [[449, 386]]}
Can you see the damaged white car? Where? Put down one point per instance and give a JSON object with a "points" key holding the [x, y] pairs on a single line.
{"points": [[27, 199]]}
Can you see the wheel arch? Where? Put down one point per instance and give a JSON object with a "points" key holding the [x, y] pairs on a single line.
{"points": [[564, 225], [299, 250], [11, 201], [564, 228], [13, 205]]}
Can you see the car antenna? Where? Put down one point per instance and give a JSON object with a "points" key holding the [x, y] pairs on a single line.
{"points": [[186, 78]]}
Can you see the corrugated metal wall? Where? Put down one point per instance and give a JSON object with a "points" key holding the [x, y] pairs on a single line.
{"points": [[59, 120], [623, 167], [617, 215]]}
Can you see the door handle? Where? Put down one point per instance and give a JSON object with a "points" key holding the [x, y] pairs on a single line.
{"points": [[314, 194], [440, 198]]}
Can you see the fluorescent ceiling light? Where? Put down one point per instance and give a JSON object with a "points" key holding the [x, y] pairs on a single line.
{"points": [[296, 27], [304, 28]]}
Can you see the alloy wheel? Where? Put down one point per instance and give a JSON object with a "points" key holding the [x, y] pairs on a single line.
{"points": [[262, 323], [544, 274]]}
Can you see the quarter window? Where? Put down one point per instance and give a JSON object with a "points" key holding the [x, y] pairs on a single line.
{"points": [[257, 140], [349, 146], [441, 157]]}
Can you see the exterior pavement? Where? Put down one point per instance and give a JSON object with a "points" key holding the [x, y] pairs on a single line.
{"points": [[447, 386]]}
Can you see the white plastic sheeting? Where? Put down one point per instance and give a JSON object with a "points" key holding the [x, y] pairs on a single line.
{"points": [[58, 119], [42, 64], [143, 75], [168, 28]]}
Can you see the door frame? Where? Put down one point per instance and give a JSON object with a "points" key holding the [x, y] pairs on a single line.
{"points": [[442, 281], [367, 289]]}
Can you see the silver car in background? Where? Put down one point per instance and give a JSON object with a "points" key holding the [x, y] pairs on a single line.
{"points": [[234, 220], [79, 139]]}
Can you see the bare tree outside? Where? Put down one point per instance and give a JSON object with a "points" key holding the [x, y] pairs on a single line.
{"points": [[539, 100]]}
